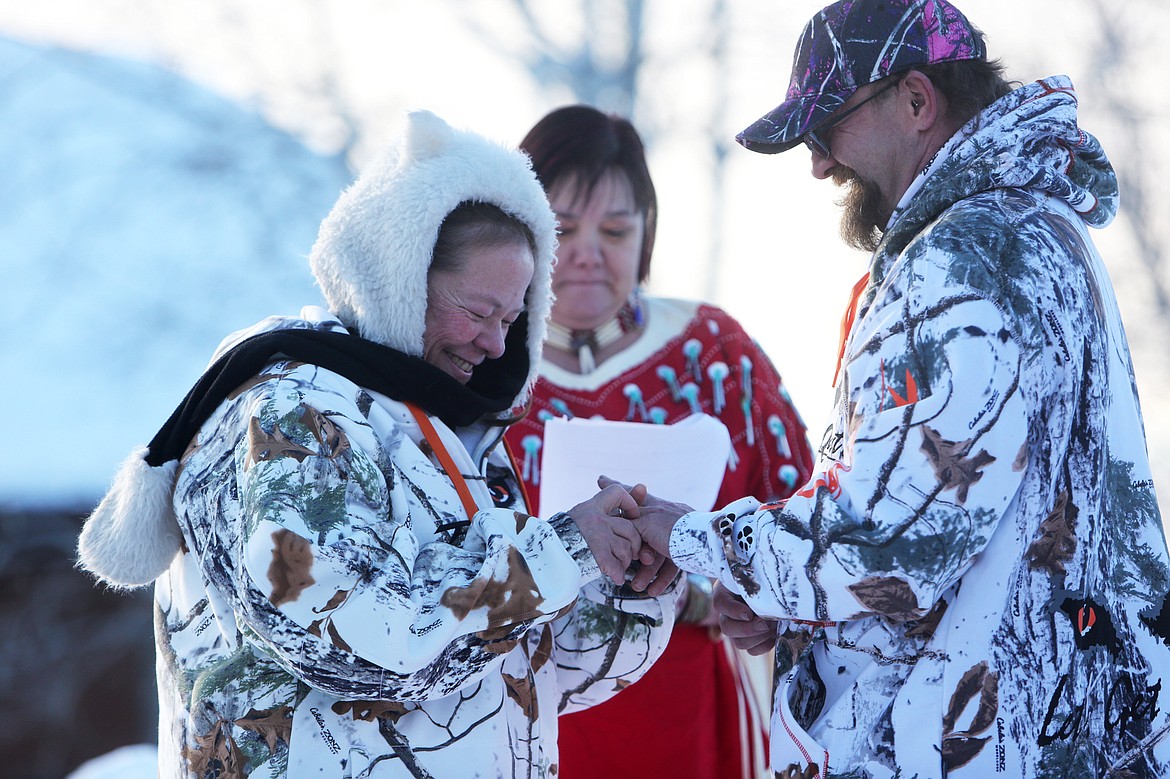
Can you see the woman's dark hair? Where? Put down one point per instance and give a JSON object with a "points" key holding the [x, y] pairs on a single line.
{"points": [[584, 144], [472, 223]]}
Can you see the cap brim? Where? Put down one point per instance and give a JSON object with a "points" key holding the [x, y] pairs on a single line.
{"points": [[781, 128]]}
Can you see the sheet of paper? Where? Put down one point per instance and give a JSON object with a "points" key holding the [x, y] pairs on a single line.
{"points": [[683, 462]]}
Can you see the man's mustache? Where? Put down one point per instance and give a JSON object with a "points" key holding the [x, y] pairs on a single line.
{"points": [[842, 175]]}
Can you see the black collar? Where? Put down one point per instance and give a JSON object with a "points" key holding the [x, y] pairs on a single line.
{"points": [[493, 387]]}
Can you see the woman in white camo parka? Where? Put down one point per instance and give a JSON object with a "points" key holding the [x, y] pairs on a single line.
{"points": [[347, 580]]}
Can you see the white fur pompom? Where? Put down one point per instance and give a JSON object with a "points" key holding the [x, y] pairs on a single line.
{"points": [[131, 537]]}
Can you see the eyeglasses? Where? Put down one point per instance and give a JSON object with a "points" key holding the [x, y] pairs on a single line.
{"points": [[817, 140]]}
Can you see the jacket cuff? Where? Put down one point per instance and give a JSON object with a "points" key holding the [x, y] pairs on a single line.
{"points": [[696, 545], [704, 541], [566, 529]]}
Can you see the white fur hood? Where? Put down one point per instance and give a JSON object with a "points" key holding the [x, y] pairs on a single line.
{"points": [[373, 250], [370, 260]]}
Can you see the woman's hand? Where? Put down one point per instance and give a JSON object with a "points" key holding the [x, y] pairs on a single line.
{"points": [[655, 518], [604, 522], [656, 571]]}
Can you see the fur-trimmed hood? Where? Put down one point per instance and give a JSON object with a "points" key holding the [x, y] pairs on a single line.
{"points": [[374, 248], [371, 260]]}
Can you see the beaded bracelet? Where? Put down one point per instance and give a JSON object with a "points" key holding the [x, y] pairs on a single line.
{"points": [[700, 592]]}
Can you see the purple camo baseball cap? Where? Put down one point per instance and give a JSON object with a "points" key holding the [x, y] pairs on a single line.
{"points": [[852, 43]]}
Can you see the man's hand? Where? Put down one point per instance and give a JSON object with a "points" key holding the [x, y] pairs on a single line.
{"points": [[655, 573], [747, 630], [604, 522], [656, 517]]}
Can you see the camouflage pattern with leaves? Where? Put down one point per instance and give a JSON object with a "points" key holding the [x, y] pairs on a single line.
{"points": [[978, 564], [336, 613]]}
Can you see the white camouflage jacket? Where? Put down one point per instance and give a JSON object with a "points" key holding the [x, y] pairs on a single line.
{"points": [[974, 583], [333, 616], [325, 606]]}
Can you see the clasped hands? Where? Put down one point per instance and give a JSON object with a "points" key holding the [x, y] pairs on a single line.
{"points": [[622, 524]]}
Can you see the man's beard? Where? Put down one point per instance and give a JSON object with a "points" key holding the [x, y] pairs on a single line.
{"points": [[864, 214]]}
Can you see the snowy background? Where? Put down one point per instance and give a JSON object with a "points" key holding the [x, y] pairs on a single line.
{"points": [[164, 165], [143, 218]]}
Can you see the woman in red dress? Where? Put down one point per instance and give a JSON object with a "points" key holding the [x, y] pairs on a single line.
{"points": [[617, 354]]}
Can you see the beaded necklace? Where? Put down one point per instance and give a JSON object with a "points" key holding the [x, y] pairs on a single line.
{"points": [[585, 343]]}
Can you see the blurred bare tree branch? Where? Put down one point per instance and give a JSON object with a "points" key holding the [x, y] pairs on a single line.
{"points": [[599, 68], [1117, 66]]}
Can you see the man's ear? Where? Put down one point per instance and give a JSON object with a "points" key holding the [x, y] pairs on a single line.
{"points": [[923, 102]]}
